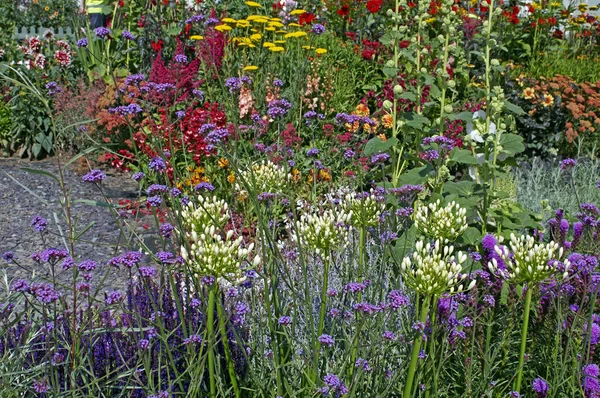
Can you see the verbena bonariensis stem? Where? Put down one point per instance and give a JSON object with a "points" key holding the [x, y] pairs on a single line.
{"points": [[523, 338], [416, 349]]}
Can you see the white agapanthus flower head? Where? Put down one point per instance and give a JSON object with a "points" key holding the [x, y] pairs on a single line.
{"points": [[205, 212], [433, 269], [364, 208], [441, 222], [324, 231], [264, 177], [528, 261]]}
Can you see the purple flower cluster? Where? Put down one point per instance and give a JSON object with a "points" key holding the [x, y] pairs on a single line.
{"points": [[38, 223], [334, 387], [204, 186], [157, 164], [235, 83], [94, 176], [157, 189], [318, 29], [82, 43], [326, 340], [125, 110], [181, 59], [127, 35], [128, 259], [590, 382], [278, 108], [102, 32], [568, 164]]}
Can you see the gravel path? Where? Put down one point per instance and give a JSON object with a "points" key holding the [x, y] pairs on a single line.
{"points": [[19, 204]]}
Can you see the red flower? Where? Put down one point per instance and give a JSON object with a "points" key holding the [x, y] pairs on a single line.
{"points": [[558, 34], [277, 6], [157, 45], [306, 18], [374, 5], [411, 4], [344, 10]]}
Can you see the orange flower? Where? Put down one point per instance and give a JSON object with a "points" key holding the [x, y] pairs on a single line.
{"points": [[548, 100], [382, 137], [529, 93], [388, 121], [223, 162], [231, 178], [362, 110]]}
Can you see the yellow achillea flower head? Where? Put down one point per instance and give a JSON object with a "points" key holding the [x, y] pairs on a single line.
{"points": [[256, 37], [228, 20], [321, 51], [268, 44], [294, 24], [297, 12], [276, 49], [253, 4], [270, 28], [196, 37], [276, 24], [295, 34], [250, 67], [223, 28], [279, 41]]}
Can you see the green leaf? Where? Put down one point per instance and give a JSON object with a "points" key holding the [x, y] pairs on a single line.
{"points": [[517, 110], [377, 145], [512, 144], [415, 176], [408, 96], [93, 203], [40, 172], [466, 116], [415, 120], [471, 236], [504, 294], [463, 156], [462, 188]]}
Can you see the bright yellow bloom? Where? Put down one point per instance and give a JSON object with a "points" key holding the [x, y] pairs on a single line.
{"points": [[276, 19], [529, 93], [307, 47], [270, 28], [279, 41], [223, 28], [267, 44], [430, 20], [242, 24], [281, 31], [229, 20], [253, 4], [593, 8], [256, 37], [276, 24], [46, 8], [231, 178], [196, 37], [261, 20], [294, 24], [548, 100], [250, 67], [223, 162], [555, 4], [297, 12], [295, 34], [276, 49], [321, 51]]}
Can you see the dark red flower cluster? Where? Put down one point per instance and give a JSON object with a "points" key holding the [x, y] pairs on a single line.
{"points": [[306, 19], [374, 6], [512, 15]]}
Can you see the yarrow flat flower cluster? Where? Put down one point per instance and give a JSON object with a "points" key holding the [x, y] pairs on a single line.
{"points": [[437, 222], [528, 261], [434, 269]]}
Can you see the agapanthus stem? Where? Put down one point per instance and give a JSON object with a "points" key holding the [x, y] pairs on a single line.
{"points": [[412, 369], [524, 337], [230, 367], [326, 260], [361, 253], [211, 341]]}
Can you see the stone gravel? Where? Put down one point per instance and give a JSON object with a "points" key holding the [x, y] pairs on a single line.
{"points": [[24, 194]]}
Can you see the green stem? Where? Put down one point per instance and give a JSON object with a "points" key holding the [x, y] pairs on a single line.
{"points": [[326, 260], [431, 349], [211, 339], [230, 367], [361, 252], [524, 337], [415, 351]]}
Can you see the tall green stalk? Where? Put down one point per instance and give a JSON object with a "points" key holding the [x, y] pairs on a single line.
{"points": [[524, 337], [211, 340], [412, 369], [326, 262], [228, 359]]}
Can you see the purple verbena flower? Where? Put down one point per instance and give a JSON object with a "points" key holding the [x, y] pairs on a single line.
{"points": [[94, 176], [102, 32]]}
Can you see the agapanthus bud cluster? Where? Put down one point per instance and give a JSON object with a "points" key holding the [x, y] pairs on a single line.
{"points": [[213, 251], [265, 177], [364, 208], [437, 222], [205, 211], [324, 232], [433, 269], [528, 261], [212, 254]]}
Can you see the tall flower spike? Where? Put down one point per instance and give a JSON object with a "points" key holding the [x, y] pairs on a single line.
{"points": [[434, 269], [323, 232], [529, 262], [437, 222]]}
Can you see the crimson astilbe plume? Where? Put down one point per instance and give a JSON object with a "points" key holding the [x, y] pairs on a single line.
{"points": [[183, 76], [211, 49]]}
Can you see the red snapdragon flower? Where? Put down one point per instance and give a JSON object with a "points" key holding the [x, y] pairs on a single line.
{"points": [[306, 18], [374, 5], [344, 11]]}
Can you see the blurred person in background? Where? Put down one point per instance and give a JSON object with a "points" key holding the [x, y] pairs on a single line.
{"points": [[98, 11]]}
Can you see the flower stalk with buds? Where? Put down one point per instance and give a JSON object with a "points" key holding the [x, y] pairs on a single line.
{"points": [[431, 271], [437, 222], [527, 263]]}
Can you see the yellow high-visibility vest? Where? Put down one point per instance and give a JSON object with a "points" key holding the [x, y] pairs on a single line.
{"points": [[97, 7]]}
